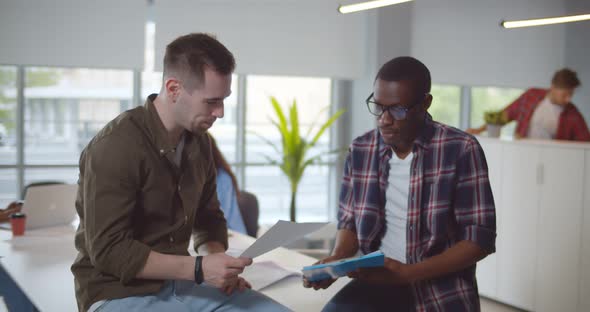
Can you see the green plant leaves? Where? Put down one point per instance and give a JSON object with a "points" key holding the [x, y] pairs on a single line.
{"points": [[292, 156], [495, 118]]}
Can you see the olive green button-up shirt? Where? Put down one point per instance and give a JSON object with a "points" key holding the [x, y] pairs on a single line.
{"points": [[133, 198]]}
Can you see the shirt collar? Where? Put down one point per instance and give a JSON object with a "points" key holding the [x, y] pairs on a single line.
{"points": [[421, 142], [156, 129], [569, 106]]}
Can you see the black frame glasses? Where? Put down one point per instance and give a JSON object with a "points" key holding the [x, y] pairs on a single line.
{"points": [[395, 111]]}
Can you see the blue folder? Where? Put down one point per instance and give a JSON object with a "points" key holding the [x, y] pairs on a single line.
{"points": [[340, 268]]}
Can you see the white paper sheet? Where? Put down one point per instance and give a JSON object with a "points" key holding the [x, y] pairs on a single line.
{"points": [[265, 273], [281, 234]]}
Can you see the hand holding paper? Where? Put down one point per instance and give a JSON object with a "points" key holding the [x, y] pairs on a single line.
{"points": [[280, 234]]}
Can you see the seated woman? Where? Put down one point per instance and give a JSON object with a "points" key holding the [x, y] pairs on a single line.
{"points": [[227, 191]]}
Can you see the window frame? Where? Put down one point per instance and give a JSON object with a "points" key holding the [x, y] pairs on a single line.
{"points": [[240, 164]]}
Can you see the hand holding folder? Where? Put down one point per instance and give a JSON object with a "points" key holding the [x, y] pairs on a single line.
{"points": [[332, 270]]}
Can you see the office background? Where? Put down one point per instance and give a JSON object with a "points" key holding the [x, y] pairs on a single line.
{"points": [[68, 67]]}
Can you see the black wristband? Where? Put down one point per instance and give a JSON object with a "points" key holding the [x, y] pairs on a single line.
{"points": [[199, 270]]}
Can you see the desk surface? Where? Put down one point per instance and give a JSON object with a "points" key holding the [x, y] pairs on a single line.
{"points": [[40, 263]]}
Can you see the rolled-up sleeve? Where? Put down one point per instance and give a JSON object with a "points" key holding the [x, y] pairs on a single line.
{"points": [[110, 186], [346, 200], [474, 203], [210, 224]]}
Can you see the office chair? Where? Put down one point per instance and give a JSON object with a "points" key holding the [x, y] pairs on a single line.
{"points": [[248, 204], [40, 183]]}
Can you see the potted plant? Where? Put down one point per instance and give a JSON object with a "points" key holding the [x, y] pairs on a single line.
{"points": [[292, 155], [494, 121]]}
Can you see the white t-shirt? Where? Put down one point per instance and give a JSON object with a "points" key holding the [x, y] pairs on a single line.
{"points": [[545, 120], [393, 244]]}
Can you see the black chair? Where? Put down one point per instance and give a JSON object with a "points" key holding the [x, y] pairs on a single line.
{"points": [[248, 204], [40, 183]]}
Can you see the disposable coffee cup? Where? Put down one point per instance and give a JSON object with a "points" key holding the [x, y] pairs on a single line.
{"points": [[18, 221]]}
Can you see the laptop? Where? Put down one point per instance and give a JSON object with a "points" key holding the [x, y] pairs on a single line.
{"points": [[49, 205]]}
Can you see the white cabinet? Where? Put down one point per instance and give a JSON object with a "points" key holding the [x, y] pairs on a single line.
{"points": [[584, 294], [517, 234], [559, 230], [488, 267], [542, 195]]}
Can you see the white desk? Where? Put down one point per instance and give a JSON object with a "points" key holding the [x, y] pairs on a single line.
{"points": [[40, 263]]}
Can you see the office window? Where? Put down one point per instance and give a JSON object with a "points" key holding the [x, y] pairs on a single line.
{"points": [[151, 82], [492, 98], [267, 181], [8, 187], [66, 175], [272, 189], [66, 107], [8, 104], [446, 104], [311, 94]]}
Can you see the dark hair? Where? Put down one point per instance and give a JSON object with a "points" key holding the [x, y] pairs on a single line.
{"points": [[406, 68], [188, 55], [220, 162], [565, 78]]}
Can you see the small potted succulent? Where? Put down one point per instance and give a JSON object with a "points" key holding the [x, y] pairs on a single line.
{"points": [[494, 122]]}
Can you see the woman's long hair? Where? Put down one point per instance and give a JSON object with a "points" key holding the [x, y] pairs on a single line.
{"points": [[220, 162]]}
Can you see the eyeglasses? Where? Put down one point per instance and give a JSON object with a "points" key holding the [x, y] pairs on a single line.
{"points": [[395, 111]]}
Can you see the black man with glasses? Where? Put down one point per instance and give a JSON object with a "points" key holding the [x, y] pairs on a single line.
{"points": [[419, 191]]}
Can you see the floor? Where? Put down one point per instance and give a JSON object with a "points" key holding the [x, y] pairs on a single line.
{"points": [[488, 305]]}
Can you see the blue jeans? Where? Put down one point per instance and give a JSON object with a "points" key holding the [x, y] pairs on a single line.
{"points": [[187, 296]]}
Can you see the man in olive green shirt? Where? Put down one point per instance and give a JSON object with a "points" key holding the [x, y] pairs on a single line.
{"points": [[147, 182]]}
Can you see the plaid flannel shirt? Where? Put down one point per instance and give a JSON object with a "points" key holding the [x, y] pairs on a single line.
{"points": [[571, 125], [450, 200]]}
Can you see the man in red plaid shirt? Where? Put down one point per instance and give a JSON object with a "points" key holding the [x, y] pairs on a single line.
{"points": [[547, 113], [417, 190]]}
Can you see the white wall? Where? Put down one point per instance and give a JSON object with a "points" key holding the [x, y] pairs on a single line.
{"points": [[394, 23], [360, 120], [577, 54], [388, 35], [585, 248], [462, 43], [100, 34], [288, 37]]}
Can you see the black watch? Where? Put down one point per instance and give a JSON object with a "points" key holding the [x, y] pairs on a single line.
{"points": [[199, 270]]}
